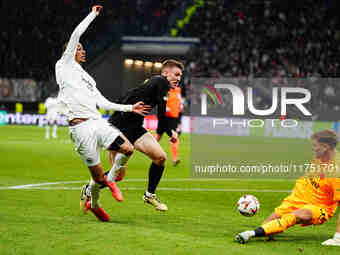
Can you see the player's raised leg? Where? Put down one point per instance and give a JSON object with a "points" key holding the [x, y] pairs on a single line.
{"points": [[125, 150], [120, 159], [120, 171]]}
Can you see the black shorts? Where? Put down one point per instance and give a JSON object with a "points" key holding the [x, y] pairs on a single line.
{"points": [[179, 119], [129, 129], [166, 124]]}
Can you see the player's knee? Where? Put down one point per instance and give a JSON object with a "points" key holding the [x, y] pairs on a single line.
{"points": [[307, 217], [161, 158], [303, 215], [129, 150], [122, 145]]}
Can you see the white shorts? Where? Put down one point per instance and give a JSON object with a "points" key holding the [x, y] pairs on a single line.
{"points": [[91, 135]]}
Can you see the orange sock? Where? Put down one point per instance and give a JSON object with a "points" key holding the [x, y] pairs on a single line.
{"points": [[174, 150], [279, 225]]}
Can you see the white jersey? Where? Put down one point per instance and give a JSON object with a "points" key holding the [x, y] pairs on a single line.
{"points": [[53, 108], [78, 94], [52, 104]]}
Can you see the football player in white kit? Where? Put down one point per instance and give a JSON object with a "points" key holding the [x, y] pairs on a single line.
{"points": [[52, 107], [79, 99]]}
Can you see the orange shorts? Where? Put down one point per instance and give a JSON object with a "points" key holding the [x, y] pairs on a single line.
{"points": [[319, 213]]}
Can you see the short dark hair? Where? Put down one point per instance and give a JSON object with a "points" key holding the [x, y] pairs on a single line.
{"points": [[326, 136], [65, 46], [171, 63]]}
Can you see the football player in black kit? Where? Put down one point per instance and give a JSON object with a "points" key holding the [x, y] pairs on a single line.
{"points": [[151, 92]]}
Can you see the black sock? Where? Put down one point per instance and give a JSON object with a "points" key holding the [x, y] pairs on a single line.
{"points": [[259, 232], [155, 175]]}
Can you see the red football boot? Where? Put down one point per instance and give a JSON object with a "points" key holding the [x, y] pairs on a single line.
{"points": [[100, 213], [114, 189]]}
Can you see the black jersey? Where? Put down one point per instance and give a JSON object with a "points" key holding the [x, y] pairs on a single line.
{"points": [[165, 123], [151, 92]]}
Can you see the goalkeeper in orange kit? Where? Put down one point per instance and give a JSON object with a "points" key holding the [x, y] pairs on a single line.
{"points": [[169, 114], [315, 196]]}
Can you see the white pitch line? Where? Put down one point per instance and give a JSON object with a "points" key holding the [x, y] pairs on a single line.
{"points": [[41, 186], [28, 186], [34, 142], [165, 189]]}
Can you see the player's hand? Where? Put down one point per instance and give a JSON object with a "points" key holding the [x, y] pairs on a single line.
{"points": [[174, 137], [97, 9], [335, 241], [141, 108]]}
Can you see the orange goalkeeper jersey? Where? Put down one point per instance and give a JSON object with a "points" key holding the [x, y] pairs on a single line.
{"points": [[320, 186], [173, 105]]}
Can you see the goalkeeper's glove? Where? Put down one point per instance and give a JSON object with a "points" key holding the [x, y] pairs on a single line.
{"points": [[335, 241]]}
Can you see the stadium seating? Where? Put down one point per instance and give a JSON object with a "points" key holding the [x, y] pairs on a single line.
{"points": [[277, 39], [33, 36], [265, 39]]}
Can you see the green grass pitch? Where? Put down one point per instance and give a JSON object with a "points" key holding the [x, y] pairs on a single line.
{"points": [[202, 217]]}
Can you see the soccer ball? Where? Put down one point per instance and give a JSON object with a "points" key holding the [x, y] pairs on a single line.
{"points": [[248, 205]]}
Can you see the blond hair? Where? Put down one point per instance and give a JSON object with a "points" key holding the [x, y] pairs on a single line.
{"points": [[326, 136], [171, 63]]}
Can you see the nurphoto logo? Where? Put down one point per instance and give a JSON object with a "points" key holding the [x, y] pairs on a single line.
{"points": [[238, 103], [238, 100]]}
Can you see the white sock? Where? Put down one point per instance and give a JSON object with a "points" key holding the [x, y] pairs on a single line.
{"points": [[148, 194], [120, 161], [88, 191], [250, 233], [95, 192], [54, 132], [47, 131]]}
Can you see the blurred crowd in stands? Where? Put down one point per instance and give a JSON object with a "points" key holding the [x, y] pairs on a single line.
{"points": [[277, 39], [266, 39], [33, 32]]}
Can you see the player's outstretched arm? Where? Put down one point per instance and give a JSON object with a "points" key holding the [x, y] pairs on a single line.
{"points": [[335, 241], [71, 47], [139, 107]]}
